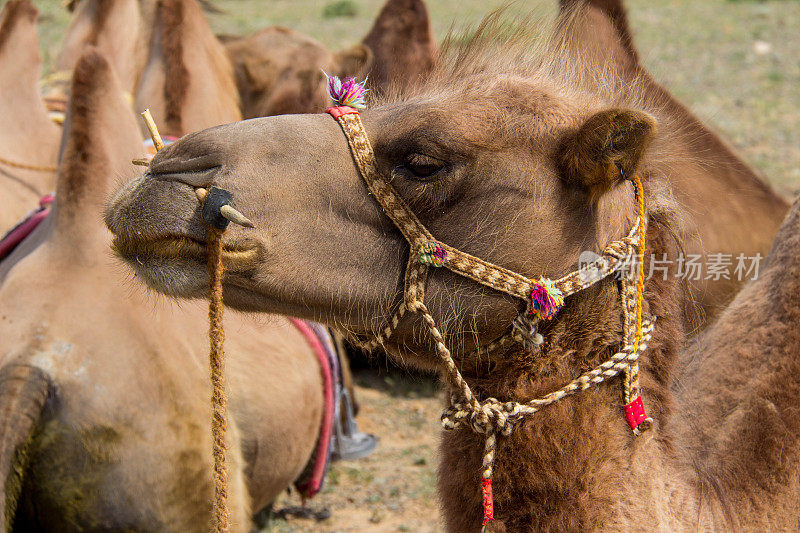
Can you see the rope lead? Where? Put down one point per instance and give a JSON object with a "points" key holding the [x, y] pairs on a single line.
{"points": [[219, 421], [211, 202]]}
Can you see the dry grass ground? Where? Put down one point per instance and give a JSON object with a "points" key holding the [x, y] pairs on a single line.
{"points": [[735, 63]]}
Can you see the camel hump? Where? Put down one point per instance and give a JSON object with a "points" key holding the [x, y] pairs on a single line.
{"points": [[16, 14], [24, 391], [19, 44], [169, 22], [199, 89], [402, 43], [100, 139]]}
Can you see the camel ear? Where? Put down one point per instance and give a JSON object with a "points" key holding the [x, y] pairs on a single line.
{"points": [[352, 61], [607, 148]]}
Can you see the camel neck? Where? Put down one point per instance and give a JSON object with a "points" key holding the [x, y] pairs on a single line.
{"points": [[583, 467]]}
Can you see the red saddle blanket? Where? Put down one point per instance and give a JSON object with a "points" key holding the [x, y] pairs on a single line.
{"points": [[25, 227]]}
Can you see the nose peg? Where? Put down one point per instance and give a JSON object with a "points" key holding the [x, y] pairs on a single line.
{"points": [[217, 211]]}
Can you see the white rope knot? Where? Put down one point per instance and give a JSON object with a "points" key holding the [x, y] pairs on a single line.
{"points": [[490, 417]]}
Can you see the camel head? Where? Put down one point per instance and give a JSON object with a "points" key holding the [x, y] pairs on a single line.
{"points": [[279, 71], [522, 167]]}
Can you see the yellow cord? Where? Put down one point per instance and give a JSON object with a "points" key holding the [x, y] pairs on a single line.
{"points": [[640, 281]]}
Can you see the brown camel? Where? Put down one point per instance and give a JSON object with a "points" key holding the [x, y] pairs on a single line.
{"points": [[188, 82], [279, 71], [104, 393], [27, 136], [726, 178], [517, 154]]}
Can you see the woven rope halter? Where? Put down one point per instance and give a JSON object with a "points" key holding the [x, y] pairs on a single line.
{"points": [[543, 297]]}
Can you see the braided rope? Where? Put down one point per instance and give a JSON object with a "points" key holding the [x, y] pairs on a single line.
{"points": [[219, 421], [632, 301]]}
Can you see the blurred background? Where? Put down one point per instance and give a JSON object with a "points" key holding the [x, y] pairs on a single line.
{"points": [[736, 63]]}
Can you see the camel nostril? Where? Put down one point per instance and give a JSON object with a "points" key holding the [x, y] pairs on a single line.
{"points": [[186, 174]]}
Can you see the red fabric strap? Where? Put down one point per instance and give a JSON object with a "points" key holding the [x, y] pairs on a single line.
{"points": [[634, 413], [323, 444], [19, 232], [338, 112]]}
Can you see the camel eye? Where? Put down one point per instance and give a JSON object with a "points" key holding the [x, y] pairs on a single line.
{"points": [[422, 166]]}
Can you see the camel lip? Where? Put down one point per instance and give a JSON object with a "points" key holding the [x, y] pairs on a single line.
{"points": [[235, 256]]}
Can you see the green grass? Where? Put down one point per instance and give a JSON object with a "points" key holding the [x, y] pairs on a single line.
{"points": [[342, 8], [704, 51]]}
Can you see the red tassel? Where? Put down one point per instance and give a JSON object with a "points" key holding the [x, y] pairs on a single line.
{"points": [[634, 413], [488, 501]]}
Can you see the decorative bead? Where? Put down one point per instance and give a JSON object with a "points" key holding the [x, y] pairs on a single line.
{"points": [[546, 299], [432, 253], [348, 93]]}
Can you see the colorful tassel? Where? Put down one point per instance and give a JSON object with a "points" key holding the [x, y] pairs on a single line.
{"points": [[348, 93], [432, 253], [546, 299]]}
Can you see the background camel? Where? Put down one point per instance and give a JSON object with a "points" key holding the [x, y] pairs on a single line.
{"points": [[279, 71], [105, 419], [504, 154], [27, 135], [716, 195], [121, 29]]}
